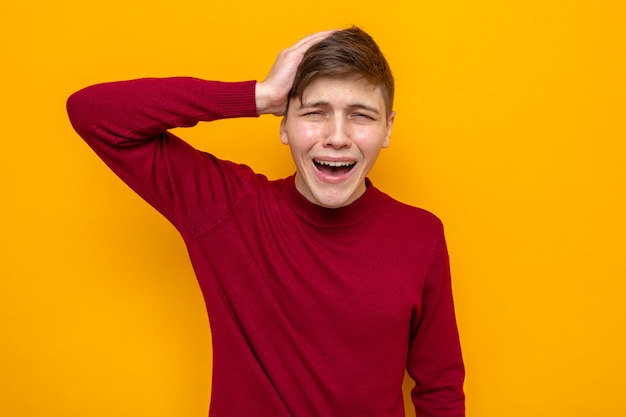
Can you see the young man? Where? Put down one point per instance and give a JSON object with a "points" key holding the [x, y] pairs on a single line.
{"points": [[321, 289]]}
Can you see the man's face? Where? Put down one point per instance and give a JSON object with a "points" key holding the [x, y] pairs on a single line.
{"points": [[335, 136]]}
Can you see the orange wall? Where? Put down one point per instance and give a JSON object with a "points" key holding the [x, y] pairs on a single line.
{"points": [[510, 126]]}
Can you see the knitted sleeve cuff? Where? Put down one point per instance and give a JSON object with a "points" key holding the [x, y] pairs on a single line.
{"points": [[237, 99]]}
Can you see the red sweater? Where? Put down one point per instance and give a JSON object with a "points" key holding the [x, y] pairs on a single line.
{"points": [[314, 312]]}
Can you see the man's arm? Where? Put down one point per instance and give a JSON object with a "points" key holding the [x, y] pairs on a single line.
{"points": [[435, 361], [135, 110], [126, 123]]}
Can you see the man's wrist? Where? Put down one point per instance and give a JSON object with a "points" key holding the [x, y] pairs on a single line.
{"points": [[266, 102], [261, 98]]}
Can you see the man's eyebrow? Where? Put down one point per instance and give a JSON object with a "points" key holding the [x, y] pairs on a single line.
{"points": [[322, 103], [313, 104], [364, 107]]}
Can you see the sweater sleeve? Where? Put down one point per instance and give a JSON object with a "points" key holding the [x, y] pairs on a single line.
{"points": [[434, 360], [127, 124]]}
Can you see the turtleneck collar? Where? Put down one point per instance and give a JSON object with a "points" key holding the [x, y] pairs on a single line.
{"points": [[331, 218]]}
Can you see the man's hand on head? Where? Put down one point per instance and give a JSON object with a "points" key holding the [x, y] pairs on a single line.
{"points": [[272, 93]]}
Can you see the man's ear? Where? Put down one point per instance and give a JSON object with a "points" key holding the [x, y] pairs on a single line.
{"points": [[284, 138], [390, 119]]}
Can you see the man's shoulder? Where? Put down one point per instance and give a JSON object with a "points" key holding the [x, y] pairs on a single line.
{"points": [[411, 216]]}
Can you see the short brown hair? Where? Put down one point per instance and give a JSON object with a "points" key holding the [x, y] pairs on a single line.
{"points": [[345, 53]]}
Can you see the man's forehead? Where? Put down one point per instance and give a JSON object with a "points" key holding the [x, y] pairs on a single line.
{"points": [[356, 91]]}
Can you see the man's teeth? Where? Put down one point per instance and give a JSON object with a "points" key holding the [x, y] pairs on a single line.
{"points": [[335, 163]]}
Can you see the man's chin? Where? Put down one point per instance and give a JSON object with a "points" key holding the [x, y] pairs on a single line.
{"points": [[333, 198]]}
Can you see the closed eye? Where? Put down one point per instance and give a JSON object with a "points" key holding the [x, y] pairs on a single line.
{"points": [[364, 116], [313, 114]]}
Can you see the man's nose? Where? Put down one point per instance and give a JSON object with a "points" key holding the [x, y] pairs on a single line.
{"points": [[337, 133]]}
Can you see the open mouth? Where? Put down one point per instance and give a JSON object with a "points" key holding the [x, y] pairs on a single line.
{"points": [[334, 168]]}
